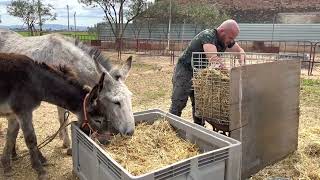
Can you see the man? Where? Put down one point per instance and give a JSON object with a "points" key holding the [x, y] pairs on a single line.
{"points": [[210, 40]]}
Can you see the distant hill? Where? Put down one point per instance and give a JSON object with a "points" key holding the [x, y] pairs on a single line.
{"points": [[52, 27], [11, 27]]}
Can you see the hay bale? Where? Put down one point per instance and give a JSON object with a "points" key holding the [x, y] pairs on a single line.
{"points": [[151, 147], [212, 94]]}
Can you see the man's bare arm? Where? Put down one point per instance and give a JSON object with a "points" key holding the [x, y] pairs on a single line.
{"points": [[211, 52], [237, 48]]}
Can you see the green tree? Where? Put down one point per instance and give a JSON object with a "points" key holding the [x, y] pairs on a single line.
{"points": [[45, 13], [203, 14], [25, 11], [118, 13], [31, 13], [199, 13], [159, 11]]}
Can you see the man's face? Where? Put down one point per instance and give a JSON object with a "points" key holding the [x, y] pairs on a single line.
{"points": [[227, 36]]}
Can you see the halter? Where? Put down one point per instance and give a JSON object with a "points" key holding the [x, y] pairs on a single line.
{"points": [[93, 133], [86, 120]]}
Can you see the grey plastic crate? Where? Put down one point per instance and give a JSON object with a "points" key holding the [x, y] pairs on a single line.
{"points": [[220, 157]]}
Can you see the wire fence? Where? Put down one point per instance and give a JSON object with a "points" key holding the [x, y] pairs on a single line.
{"points": [[307, 51]]}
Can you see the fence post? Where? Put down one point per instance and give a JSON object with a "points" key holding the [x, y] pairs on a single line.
{"points": [[313, 58]]}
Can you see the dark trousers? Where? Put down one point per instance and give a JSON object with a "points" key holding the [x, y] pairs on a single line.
{"points": [[182, 90]]}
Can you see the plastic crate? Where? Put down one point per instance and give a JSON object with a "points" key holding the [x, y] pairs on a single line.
{"points": [[220, 157]]}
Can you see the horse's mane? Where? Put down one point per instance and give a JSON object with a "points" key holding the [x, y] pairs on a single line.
{"points": [[22, 63], [63, 71], [93, 52]]}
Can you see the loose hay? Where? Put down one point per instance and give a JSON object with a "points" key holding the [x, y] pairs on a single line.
{"points": [[151, 147], [313, 149], [212, 94]]}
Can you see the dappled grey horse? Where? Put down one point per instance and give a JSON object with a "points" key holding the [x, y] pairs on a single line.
{"points": [[87, 62], [25, 83]]}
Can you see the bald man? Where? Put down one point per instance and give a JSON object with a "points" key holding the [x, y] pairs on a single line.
{"points": [[209, 40]]}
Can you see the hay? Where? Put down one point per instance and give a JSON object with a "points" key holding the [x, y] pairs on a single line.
{"points": [[297, 166], [151, 147], [316, 131], [313, 149], [212, 94]]}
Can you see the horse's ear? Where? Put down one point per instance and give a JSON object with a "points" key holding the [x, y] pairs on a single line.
{"points": [[126, 68], [100, 84], [95, 91], [106, 80], [98, 65], [92, 98]]}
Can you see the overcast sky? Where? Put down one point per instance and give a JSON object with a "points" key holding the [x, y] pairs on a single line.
{"points": [[86, 16]]}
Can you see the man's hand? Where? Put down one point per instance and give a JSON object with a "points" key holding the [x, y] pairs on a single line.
{"points": [[217, 61], [211, 53], [238, 49], [242, 59]]}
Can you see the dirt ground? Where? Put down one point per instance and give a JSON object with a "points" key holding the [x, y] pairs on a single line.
{"points": [[150, 82]]}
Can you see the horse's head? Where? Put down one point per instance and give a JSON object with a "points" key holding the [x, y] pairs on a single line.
{"points": [[111, 99]]}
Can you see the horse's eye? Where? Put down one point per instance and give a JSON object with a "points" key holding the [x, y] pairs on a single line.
{"points": [[117, 77], [98, 121], [117, 103]]}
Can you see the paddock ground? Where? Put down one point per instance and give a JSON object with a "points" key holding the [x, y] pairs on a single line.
{"points": [[150, 82]]}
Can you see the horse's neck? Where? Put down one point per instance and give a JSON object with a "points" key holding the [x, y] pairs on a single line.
{"points": [[61, 92], [48, 49]]}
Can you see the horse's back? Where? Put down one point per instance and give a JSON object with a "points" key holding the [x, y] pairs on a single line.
{"points": [[56, 49], [14, 68], [15, 73], [5, 32]]}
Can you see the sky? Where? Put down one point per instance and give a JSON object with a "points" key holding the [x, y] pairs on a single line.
{"points": [[85, 16]]}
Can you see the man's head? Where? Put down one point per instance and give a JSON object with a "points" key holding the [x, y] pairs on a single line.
{"points": [[228, 31]]}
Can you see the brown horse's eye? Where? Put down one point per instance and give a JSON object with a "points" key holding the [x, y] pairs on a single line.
{"points": [[98, 121]]}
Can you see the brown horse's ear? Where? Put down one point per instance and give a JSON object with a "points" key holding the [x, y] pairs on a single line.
{"points": [[95, 91], [100, 84], [92, 98]]}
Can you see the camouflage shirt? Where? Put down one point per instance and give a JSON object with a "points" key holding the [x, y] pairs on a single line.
{"points": [[208, 36]]}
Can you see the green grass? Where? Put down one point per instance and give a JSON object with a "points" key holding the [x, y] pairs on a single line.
{"points": [[24, 33], [83, 35], [302, 164], [310, 82], [310, 92]]}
